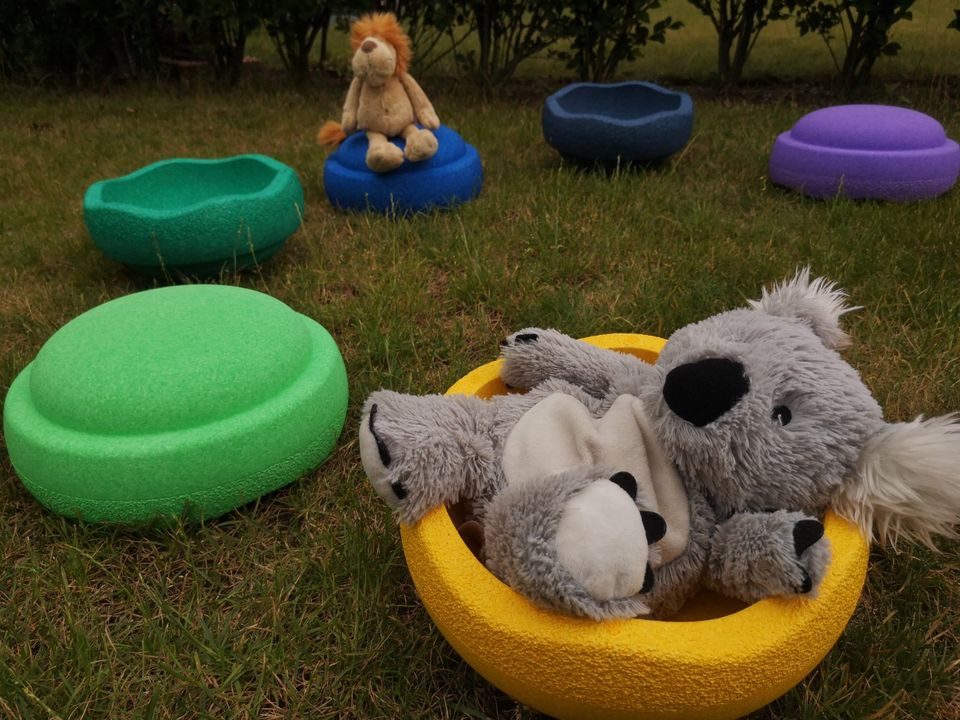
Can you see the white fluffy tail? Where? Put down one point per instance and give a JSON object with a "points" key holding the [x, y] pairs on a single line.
{"points": [[907, 482]]}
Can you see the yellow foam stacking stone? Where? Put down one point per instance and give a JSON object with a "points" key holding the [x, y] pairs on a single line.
{"points": [[717, 659]]}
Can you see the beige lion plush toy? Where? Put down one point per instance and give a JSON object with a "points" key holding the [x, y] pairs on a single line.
{"points": [[383, 99]]}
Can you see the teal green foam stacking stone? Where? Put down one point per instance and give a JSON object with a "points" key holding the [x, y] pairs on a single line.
{"points": [[186, 400], [195, 218]]}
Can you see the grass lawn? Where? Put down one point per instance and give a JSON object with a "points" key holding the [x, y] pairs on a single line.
{"points": [[300, 605]]}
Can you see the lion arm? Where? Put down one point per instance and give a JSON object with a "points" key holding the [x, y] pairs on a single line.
{"points": [[351, 106], [422, 107]]}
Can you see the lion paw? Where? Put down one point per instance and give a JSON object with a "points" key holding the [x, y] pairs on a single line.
{"points": [[421, 145], [384, 157]]}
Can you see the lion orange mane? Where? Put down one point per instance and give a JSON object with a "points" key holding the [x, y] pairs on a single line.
{"points": [[385, 27]]}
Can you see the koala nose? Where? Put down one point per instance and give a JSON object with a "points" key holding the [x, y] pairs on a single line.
{"points": [[368, 46], [702, 391]]}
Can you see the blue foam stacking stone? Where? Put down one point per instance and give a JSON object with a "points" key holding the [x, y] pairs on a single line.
{"points": [[452, 176], [629, 121]]}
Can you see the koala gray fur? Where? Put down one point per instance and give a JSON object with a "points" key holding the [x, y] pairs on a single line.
{"points": [[767, 425], [442, 448]]}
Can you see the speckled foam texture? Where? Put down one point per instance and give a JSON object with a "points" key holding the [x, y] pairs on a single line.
{"points": [[452, 176], [875, 152], [724, 667], [721, 668], [629, 121], [195, 217], [190, 399]]}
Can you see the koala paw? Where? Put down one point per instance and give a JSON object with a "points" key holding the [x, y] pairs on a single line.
{"points": [[530, 356], [575, 541], [417, 450], [377, 459], [603, 539], [806, 534], [757, 555]]}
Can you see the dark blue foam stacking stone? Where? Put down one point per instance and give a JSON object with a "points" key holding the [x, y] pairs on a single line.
{"points": [[875, 152], [628, 121], [452, 176]]}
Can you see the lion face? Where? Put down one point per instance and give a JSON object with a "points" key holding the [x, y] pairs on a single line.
{"points": [[380, 48], [375, 61]]}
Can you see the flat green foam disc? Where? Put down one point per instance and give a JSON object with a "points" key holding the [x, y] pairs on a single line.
{"points": [[191, 399]]}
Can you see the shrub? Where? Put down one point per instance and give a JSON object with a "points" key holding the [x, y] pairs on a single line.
{"points": [[218, 29], [604, 33], [864, 28], [738, 24], [16, 40], [79, 41], [293, 26], [433, 29], [508, 32]]}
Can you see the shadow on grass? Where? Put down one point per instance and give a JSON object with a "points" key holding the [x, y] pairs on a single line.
{"points": [[610, 168]]}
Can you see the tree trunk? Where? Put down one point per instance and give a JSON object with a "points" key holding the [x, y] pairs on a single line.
{"points": [[324, 33], [852, 59], [484, 32], [743, 45], [725, 40], [301, 62]]}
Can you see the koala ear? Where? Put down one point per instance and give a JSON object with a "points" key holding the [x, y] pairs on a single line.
{"points": [[818, 302], [906, 483]]}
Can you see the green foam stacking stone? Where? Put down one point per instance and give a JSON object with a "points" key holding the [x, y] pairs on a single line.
{"points": [[186, 217], [184, 401]]}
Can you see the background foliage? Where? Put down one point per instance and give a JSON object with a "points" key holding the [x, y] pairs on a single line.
{"points": [[863, 27], [97, 41], [601, 35], [738, 24]]}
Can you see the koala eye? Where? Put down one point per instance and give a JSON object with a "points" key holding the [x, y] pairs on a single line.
{"points": [[782, 414]]}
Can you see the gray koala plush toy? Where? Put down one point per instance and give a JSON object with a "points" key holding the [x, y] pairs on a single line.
{"points": [[616, 488]]}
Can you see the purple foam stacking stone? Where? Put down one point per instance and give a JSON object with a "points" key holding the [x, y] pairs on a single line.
{"points": [[874, 152]]}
